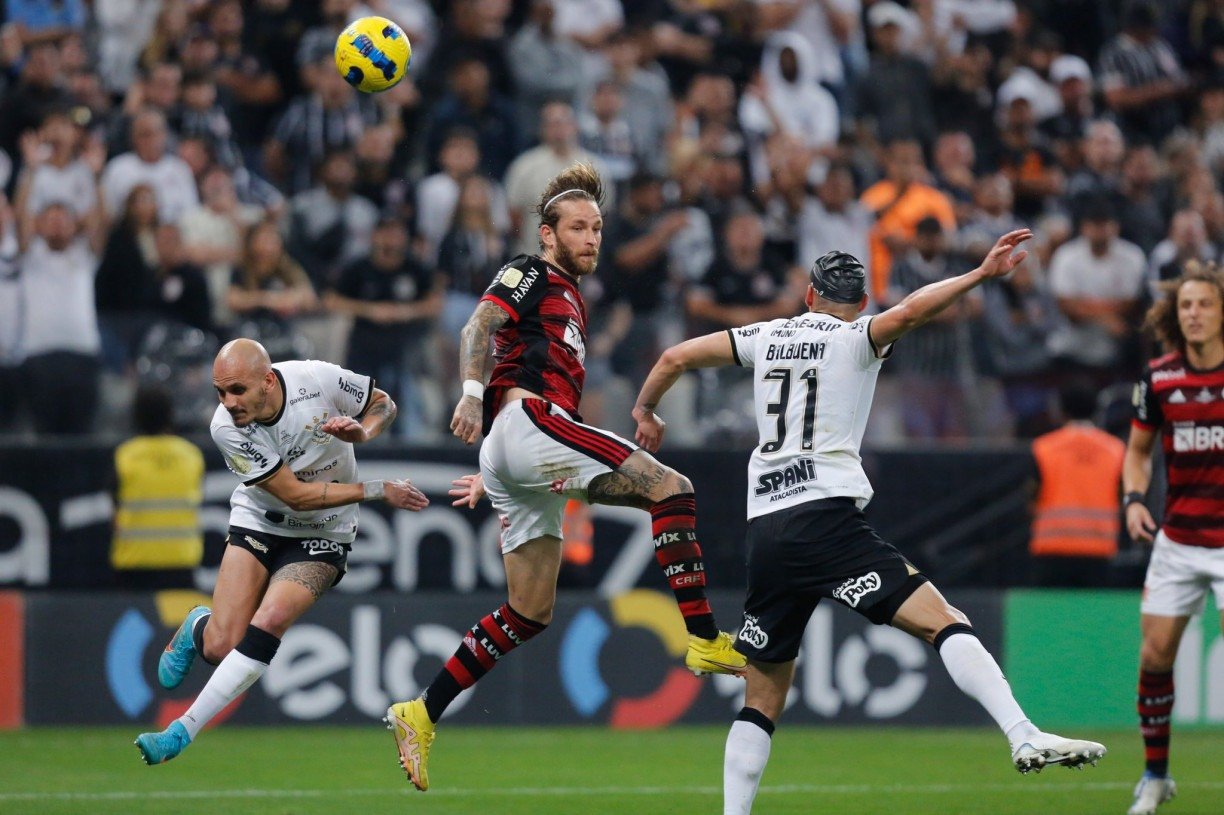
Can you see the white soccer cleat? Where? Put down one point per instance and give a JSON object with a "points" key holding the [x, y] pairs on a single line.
{"points": [[1045, 749], [1150, 793]]}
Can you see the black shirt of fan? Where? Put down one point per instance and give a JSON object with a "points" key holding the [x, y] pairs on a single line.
{"points": [[362, 280]]}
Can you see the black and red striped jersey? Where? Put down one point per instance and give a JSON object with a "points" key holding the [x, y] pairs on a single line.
{"points": [[542, 346], [1187, 405]]}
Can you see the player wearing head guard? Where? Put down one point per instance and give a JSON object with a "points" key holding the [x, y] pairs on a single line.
{"points": [[538, 454], [807, 537], [1181, 399]]}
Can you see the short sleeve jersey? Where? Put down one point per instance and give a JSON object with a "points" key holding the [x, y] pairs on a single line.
{"points": [[815, 377], [1187, 406], [542, 346], [314, 392]]}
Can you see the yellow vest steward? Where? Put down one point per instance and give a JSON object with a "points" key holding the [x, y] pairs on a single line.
{"points": [[157, 520], [1077, 506]]}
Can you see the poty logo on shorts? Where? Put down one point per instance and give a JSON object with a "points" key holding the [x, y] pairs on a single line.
{"points": [[752, 633], [856, 588]]}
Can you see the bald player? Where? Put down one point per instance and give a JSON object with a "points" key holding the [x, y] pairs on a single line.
{"points": [[287, 431]]}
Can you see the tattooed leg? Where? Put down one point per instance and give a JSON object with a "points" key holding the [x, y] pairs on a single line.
{"points": [[293, 589], [640, 482]]}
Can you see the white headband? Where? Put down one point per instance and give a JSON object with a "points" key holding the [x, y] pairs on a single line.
{"points": [[555, 197]]}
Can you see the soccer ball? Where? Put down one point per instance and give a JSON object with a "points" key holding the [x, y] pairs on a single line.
{"points": [[372, 54]]}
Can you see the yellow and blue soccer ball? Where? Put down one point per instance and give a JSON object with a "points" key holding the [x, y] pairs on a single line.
{"points": [[372, 54]]}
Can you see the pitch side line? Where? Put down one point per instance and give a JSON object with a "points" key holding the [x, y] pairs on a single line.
{"points": [[779, 789]]}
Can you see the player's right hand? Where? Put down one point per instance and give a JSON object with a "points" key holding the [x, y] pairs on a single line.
{"points": [[467, 490], [650, 429], [466, 422], [403, 495], [1140, 524], [1000, 260]]}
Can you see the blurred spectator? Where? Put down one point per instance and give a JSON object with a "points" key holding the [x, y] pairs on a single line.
{"points": [[1073, 79], [379, 179], [268, 284], [936, 366], [472, 250], [159, 486], [159, 88], [150, 163], [1077, 507], [831, 27], [42, 21], [473, 30], [1146, 210], [329, 118], [1025, 157], [1020, 315], [684, 37], [1099, 280], [123, 29], [472, 103], [252, 94], [37, 93], [11, 319], [328, 225], [212, 234], [835, 220], [528, 173], [1101, 173], [898, 203], [173, 22], [394, 299], [180, 290], [1210, 124], [437, 194], [723, 189], [709, 116], [125, 276], [955, 163], [58, 167], [784, 196], [894, 96], [319, 40], [1187, 241], [203, 117], [743, 285], [961, 94], [60, 339], [590, 24], [647, 100], [1141, 77], [635, 270], [604, 132], [788, 98], [546, 65], [992, 216]]}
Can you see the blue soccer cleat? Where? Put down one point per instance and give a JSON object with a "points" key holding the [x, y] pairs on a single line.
{"points": [[158, 748], [175, 661]]}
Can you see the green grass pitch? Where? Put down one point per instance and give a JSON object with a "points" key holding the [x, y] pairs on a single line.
{"points": [[584, 771]]}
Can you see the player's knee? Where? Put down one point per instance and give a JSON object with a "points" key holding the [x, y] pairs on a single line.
{"points": [[541, 611], [218, 642], [1157, 655], [275, 618], [676, 483]]}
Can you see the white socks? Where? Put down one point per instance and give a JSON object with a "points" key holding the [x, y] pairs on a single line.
{"points": [[976, 673], [747, 752], [233, 676]]}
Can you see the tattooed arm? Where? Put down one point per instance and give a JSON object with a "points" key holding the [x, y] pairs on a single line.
{"points": [[377, 416], [473, 350]]}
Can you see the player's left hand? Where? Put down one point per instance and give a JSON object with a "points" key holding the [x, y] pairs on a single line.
{"points": [[650, 429], [345, 428], [467, 490], [1000, 260], [465, 423]]}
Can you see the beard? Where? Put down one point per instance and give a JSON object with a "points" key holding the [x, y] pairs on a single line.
{"points": [[572, 263]]}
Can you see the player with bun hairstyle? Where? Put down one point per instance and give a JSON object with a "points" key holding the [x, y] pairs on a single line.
{"points": [[537, 454]]}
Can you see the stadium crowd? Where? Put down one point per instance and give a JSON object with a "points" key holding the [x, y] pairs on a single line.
{"points": [[181, 172]]}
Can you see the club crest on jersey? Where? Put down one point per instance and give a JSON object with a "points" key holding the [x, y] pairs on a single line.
{"points": [[317, 435], [573, 338], [854, 589]]}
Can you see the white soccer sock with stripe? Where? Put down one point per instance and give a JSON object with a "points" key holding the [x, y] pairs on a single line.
{"points": [[237, 672], [977, 674], [744, 762]]}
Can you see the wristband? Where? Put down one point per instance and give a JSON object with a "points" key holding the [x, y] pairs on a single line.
{"points": [[1133, 498], [474, 389], [372, 490]]}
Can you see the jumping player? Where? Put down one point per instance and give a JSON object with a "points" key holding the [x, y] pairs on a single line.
{"points": [[537, 455], [807, 537], [287, 430], [1181, 398]]}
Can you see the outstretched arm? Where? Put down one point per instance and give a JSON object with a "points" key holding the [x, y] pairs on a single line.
{"points": [[305, 496], [710, 351], [920, 306], [473, 350]]}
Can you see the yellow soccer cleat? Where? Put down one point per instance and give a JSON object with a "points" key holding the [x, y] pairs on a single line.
{"points": [[414, 733], [716, 656]]}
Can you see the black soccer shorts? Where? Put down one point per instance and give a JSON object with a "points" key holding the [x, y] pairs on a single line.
{"points": [[275, 551], [822, 548]]}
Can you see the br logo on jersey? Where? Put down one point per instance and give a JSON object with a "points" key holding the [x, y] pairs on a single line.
{"points": [[1190, 439], [854, 589], [752, 633]]}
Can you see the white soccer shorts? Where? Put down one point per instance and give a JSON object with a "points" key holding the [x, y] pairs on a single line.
{"points": [[1178, 577], [535, 458]]}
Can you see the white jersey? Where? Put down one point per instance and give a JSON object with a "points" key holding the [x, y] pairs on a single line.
{"points": [[814, 381], [314, 392]]}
